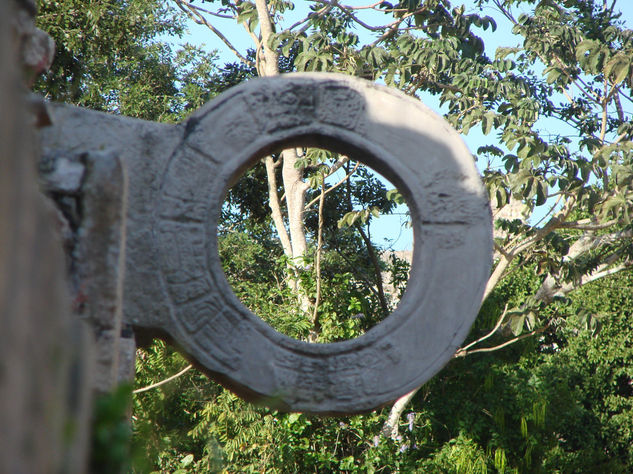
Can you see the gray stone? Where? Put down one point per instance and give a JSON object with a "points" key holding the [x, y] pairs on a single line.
{"points": [[37, 48], [178, 176], [65, 176], [45, 355]]}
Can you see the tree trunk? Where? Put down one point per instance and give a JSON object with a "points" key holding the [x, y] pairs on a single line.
{"points": [[293, 238]]}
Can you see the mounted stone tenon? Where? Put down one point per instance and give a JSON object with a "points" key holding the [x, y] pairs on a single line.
{"points": [[155, 192]]}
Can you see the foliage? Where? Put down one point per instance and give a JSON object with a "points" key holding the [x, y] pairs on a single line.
{"points": [[561, 402], [547, 385], [253, 259], [111, 434], [565, 156], [164, 416], [109, 57]]}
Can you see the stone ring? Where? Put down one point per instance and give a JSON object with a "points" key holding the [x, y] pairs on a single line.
{"points": [[396, 135]]}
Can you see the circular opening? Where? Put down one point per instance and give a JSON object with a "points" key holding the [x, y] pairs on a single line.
{"points": [[316, 243]]}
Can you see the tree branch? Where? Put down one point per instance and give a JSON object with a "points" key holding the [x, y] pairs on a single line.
{"points": [[589, 241], [198, 18], [588, 224], [376, 265], [275, 206], [348, 13], [545, 293], [551, 287], [323, 11], [506, 12], [270, 57], [498, 273], [337, 165], [481, 339], [556, 59], [209, 12], [505, 344], [364, 277], [554, 223], [332, 188], [598, 273], [317, 264], [390, 428], [162, 382], [295, 188]]}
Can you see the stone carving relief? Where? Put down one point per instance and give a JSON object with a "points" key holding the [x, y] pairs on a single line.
{"points": [[177, 179]]}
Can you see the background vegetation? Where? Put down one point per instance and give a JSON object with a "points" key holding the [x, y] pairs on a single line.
{"points": [[544, 382]]}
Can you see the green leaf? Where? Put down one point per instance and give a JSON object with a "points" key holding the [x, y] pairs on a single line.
{"points": [[349, 219], [524, 427], [502, 52], [395, 196], [487, 121], [293, 418], [187, 460], [406, 44], [541, 193], [618, 68], [516, 323], [502, 198], [410, 5], [583, 49], [500, 459], [553, 74], [347, 463]]}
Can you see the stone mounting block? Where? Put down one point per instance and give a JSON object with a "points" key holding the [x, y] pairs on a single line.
{"points": [[178, 177]]}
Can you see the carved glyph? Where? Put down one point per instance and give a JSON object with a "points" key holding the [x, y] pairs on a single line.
{"points": [[178, 177]]}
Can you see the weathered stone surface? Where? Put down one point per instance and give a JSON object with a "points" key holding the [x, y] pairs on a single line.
{"points": [[178, 177], [36, 48], [64, 175], [45, 357], [90, 192]]}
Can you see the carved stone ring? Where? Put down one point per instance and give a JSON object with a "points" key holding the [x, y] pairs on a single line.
{"points": [[396, 135], [178, 178]]}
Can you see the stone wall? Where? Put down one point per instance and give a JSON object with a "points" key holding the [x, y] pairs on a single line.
{"points": [[44, 353]]}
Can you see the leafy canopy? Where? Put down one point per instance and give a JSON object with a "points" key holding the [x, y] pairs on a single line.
{"points": [[547, 382]]}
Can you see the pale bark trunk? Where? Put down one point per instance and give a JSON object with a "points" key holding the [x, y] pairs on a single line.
{"points": [[267, 58], [554, 286], [390, 428], [293, 239], [295, 189], [275, 206]]}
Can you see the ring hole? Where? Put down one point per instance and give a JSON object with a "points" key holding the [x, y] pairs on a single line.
{"points": [[316, 243]]}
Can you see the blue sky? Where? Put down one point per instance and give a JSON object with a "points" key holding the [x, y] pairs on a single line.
{"points": [[388, 228]]}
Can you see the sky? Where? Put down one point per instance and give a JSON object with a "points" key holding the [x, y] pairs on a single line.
{"points": [[390, 229]]}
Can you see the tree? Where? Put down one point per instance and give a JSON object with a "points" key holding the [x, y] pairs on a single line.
{"points": [[557, 403], [575, 191], [109, 57], [294, 173], [553, 106]]}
